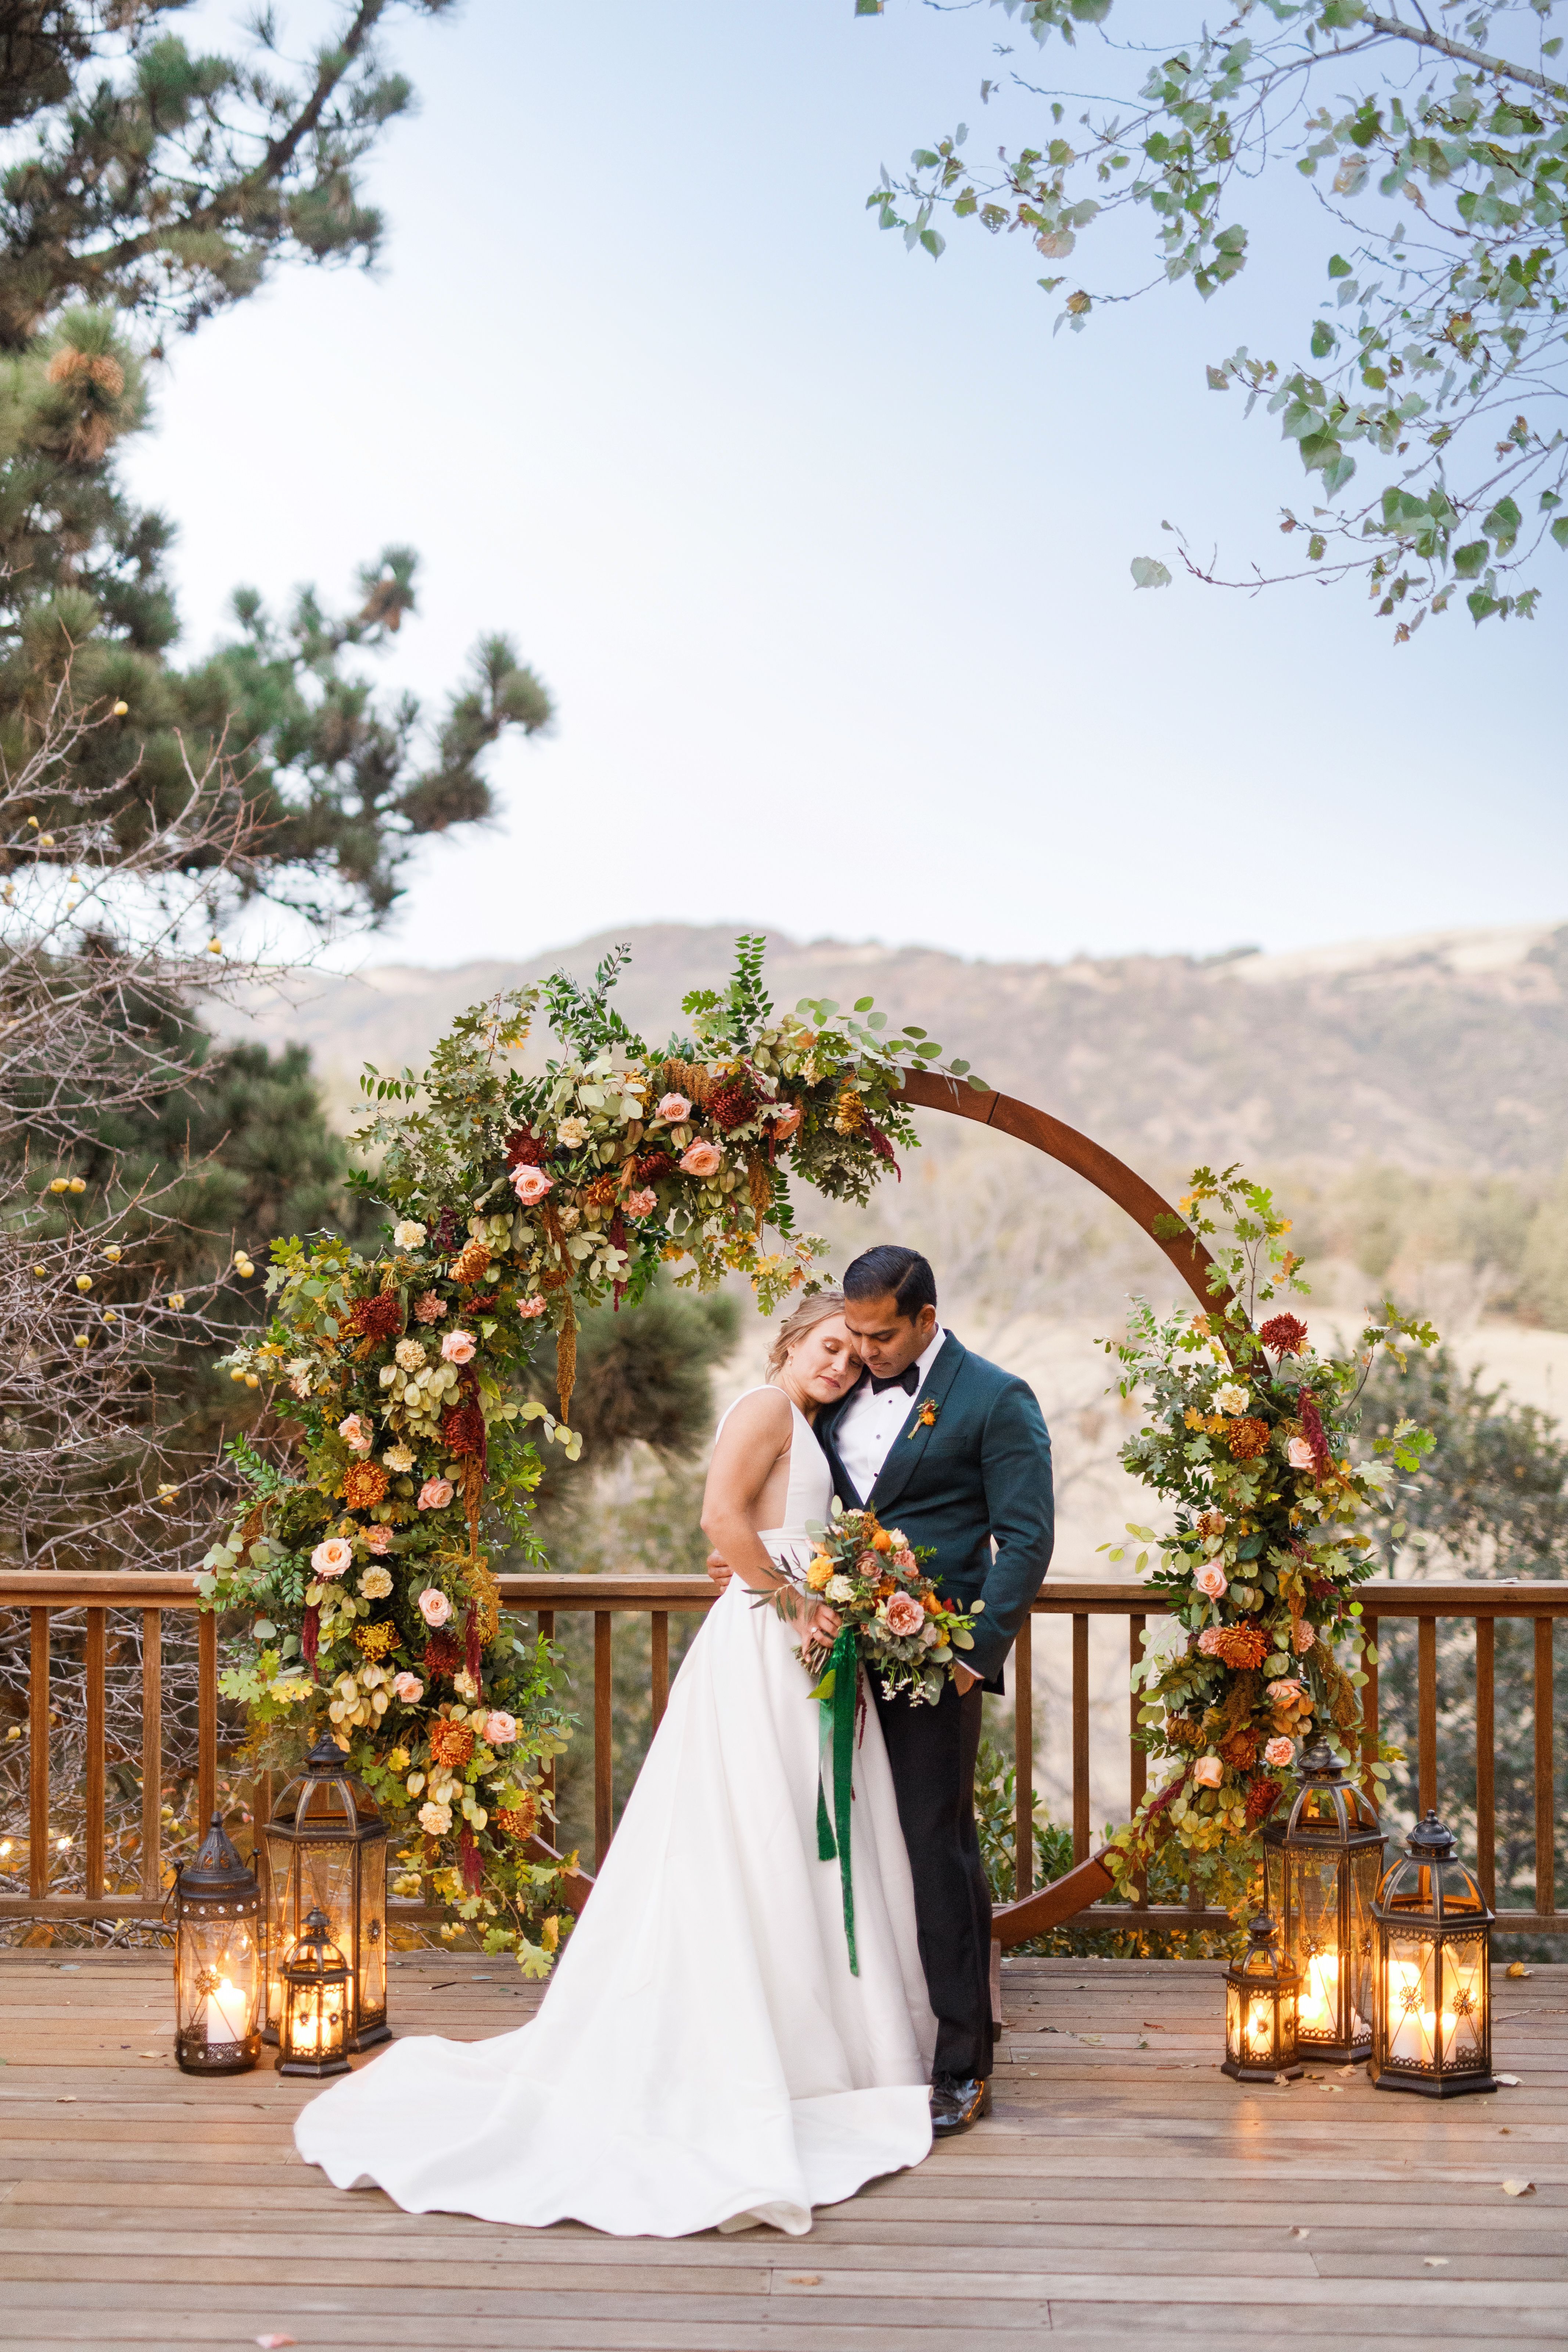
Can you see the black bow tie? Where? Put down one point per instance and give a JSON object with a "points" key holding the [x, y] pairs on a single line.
{"points": [[909, 1380]]}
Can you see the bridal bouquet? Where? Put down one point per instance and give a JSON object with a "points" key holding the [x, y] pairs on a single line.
{"points": [[903, 1630]]}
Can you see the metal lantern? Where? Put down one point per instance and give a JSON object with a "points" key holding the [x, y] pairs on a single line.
{"points": [[1432, 2026], [315, 2022], [326, 1851], [218, 1970], [1260, 2009], [1321, 1871]]}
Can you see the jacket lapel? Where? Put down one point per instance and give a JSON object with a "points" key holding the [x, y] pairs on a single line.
{"points": [[827, 1429], [908, 1448]]}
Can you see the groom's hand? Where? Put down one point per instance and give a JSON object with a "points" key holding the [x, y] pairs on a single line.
{"points": [[962, 1677], [719, 1570]]}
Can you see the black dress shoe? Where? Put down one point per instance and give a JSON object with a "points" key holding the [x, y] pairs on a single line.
{"points": [[956, 2102]]}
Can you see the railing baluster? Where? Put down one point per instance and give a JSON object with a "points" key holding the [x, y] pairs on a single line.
{"points": [[659, 1636], [1138, 1767], [1426, 1715], [604, 1755], [38, 1753], [547, 1633], [1080, 1736], [1545, 1811], [152, 1754], [1024, 1760], [94, 1658], [1369, 1736], [206, 1720], [1486, 1758]]}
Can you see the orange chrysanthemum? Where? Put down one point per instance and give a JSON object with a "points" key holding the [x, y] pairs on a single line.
{"points": [[1247, 1437], [518, 1821], [451, 1743], [364, 1485]]}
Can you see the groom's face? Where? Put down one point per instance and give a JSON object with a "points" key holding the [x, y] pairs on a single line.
{"points": [[888, 1341]]}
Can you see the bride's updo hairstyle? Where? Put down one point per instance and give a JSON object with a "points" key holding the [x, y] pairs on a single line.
{"points": [[806, 1318]]}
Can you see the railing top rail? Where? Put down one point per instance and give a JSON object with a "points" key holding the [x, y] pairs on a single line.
{"points": [[1525, 1597]]}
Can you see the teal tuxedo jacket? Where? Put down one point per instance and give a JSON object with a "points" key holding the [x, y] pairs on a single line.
{"points": [[972, 1462]]}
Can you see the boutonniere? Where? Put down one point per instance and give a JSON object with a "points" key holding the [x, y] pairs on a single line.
{"points": [[925, 1417]]}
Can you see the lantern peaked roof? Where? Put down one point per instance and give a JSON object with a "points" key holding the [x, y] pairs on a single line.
{"points": [[216, 1868]]}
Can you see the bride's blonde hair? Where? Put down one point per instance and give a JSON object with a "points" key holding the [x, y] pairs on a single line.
{"points": [[806, 1318]]}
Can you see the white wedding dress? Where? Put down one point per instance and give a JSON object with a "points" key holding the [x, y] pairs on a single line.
{"points": [[703, 2056]]}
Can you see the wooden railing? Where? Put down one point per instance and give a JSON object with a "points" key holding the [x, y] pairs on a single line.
{"points": [[147, 1598]]}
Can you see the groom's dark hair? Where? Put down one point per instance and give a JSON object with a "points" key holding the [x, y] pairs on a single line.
{"points": [[890, 1267]]}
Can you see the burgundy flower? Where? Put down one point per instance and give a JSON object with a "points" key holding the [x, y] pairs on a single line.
{"points": [[1283, 1335]]}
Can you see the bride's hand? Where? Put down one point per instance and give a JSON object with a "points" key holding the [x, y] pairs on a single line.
{"points": [[818, 1623]]}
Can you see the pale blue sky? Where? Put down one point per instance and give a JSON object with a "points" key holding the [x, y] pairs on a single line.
{"points": [[824, 549]]}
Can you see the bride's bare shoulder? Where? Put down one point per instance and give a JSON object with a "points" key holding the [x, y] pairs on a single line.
{"points": [[759, 1414]]}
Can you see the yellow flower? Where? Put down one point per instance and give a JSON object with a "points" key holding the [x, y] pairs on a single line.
{"points": [[817, 1574]]}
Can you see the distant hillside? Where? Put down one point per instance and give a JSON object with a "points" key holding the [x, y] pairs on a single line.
{"points": [[1445, 1052]]}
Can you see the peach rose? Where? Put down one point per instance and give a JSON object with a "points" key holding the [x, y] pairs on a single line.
{"points": [[356, 1433], [787, 1122], [674, 1108], [501, 1728], [1286, 1691], [333, 1557], [408, 1688], [1212, 1580], [701, 1160], [529, 1308], [1278, 1753], [530, 1185], [1208, 1771], [1298, 1454], [643, 1203], [436, 1494], [905, 1615], [377, 1539], [434, 1606], [458, 1348]]}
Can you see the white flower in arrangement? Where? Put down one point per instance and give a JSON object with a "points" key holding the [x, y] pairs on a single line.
{"points": [[375, 1584], [839, 1588], [399, 1460], [1231, 1398], [436, 1819], [464, 1684], [409, 1233], [409, 1355], [573, 1133]]}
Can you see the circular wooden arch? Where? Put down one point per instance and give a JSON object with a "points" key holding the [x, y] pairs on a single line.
{"points": [[1066, 1897], [927, 1091]]}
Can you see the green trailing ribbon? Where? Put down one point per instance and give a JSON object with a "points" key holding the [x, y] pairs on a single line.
{"points": [[836, 1693]]}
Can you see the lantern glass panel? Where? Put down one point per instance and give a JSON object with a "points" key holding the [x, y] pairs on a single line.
{"points": [[1317, 1939], [1464, 2012], [1365, 1870], [370, 1999], [1412, 1996], [1461, 1897], [217, 1985], [1274, 1880]]}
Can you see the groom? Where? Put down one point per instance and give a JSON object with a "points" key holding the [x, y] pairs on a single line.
{"points": [[955, 1453]]}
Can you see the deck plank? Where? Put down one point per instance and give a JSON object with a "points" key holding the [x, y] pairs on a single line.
{"points": [[1123, 2195]]}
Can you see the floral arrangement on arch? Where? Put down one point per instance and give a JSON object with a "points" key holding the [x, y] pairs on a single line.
{"points": [[1247, 1438], [514, 1197]]}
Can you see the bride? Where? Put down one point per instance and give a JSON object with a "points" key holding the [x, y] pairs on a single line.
{"points": [[704, 2055]]}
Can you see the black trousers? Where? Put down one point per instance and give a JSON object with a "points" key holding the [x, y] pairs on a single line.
{"points": [[932, 1751]]}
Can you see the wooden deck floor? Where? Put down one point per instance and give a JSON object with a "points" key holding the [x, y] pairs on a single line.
{"points": [[1124, 2193]]}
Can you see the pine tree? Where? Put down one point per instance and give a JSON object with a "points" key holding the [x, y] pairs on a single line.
{"points": [[163, 187]]}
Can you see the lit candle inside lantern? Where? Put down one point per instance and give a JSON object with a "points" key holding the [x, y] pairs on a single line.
{"points": [[307, 2035], [1260, 2027], [1412, 2037], [228, 2016], [1318, 2008]]}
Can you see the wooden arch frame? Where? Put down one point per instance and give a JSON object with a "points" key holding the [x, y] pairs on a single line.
{"points": [[1064, 1898]]}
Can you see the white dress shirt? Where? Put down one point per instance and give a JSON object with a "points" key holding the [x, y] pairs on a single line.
{"points": [[869, 1424]]}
